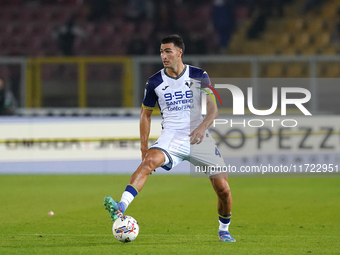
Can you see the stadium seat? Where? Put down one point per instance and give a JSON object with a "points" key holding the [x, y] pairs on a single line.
{"points": [[276, 26], [6, 29], [269, 51], [127, 30], [33, 45], [236, 42], [5, 48], [295, 25], [94, 42], [18, 41], [253, 47], [117, 46], [316, 26], [23, 29], [45, 30], [329, 50], [44, 14], [282, 40], [6, 15], [296, 70], [301, 40], [88, 27], [322, 40], [61, 15], [25, 15], [332, 70], [274, 70], [321, 69], [308, 51], [290, 51], [145, 29], [106, 29]]}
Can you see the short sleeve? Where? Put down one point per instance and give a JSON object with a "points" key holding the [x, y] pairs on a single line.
{"points": [[205, 83], [150, 97]]}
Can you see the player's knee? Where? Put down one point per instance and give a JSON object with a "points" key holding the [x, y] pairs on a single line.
{"points": [[224, 192], [150, 163]]}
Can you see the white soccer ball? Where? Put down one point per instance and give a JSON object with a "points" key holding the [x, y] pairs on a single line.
{"points": [[125, 229]]}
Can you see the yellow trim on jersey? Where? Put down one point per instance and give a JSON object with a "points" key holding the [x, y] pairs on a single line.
{"points": [[148, 108], [205, 72]]}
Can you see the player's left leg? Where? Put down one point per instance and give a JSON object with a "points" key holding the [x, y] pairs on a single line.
{"points": [[224, 203], [153, 159]]}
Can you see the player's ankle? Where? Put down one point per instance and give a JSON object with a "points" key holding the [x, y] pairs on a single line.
{"points": [[121, 207]]}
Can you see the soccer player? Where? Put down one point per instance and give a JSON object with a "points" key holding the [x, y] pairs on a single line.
{"points": [[178, 89]]}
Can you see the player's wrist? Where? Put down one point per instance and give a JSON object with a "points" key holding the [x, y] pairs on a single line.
{"points": [[144, 148]]}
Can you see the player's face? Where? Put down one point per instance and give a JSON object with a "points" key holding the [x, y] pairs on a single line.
{"points": [[170, 55]]}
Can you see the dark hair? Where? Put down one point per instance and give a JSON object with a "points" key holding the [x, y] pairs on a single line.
{"points": [[175, 39]]}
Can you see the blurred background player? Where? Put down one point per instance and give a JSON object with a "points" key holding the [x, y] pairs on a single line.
{"points": [[184, 130], [66, 36], [8, 103]]}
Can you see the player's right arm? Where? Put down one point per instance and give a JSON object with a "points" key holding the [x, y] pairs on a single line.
{"points": [[148, 105], [144, 130]]}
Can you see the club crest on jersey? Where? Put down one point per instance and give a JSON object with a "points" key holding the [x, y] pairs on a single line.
{"points": [[189, 84]]}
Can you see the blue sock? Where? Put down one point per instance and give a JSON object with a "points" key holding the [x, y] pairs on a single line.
{"points": [[127, 197], [224, 221]]}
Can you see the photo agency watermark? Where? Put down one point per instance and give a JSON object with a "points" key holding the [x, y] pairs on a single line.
{"points": [[239, 103]]}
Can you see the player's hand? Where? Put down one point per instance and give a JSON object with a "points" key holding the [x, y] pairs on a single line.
{"points": [[197, 135]]}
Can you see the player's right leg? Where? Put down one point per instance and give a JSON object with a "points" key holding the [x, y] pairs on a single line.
{"points": [[153, 159], [222, 189]]}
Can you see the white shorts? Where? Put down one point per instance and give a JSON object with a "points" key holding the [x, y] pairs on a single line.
{"points": [[176, 148]]}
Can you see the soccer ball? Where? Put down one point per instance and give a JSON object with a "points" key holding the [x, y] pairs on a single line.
{"points": [[125, 229]]}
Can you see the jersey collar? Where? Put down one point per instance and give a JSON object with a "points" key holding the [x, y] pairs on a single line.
{"points": [[179, 76]]}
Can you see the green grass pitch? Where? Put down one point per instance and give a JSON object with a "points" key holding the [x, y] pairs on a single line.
{"points": [[176, 214]]}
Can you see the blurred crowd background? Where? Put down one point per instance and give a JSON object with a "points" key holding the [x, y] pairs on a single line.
{"points": [[78, 28], [134, 27]]}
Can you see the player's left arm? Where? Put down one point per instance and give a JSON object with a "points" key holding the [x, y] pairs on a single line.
{"points": [[197, 135]]}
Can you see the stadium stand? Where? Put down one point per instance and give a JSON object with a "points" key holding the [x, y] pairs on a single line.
{"points": [[28, 27], [21, 20], [294, 33]]}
